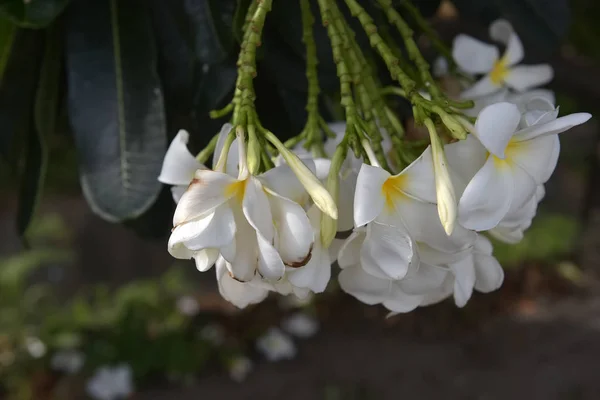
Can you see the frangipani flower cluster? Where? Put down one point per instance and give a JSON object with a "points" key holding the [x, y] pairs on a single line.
{"points": [[412, 236]]}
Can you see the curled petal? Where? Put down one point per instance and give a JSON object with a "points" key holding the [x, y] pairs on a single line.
{"points": [[349, 253], [401, 302], [496, 125], [487, 198], [179, 164], [559, 125], [389, 249], [464, 280], [514, 50], [240, 294], [294, 230], [366, 288], [368, 198], [425, 279], [205, 259], [208, 190]]}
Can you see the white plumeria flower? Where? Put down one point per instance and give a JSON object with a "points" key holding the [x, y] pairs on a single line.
{"points": [[300, 325], [276, 345], [401, 205], [188, 305], [68, 361], [35, 347], [240, 294], [476, 57], [111, 383], [239, 368], [519, 152], [479, 270], [250, 221]]}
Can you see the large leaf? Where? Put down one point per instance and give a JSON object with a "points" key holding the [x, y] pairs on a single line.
{"points": [[45, 122], [20, 65], [32, 13], [115, 105], [542, 24], [212, 23]]}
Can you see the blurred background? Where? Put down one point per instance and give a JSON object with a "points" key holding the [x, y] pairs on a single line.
{"points": [[78, 293]]}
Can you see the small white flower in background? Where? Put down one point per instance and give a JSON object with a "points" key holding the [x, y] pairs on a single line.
{"points": [[68, 361], [476, 57], [300, 325], [213, 333], [239, 368], [276, 345], [188, 305], [35, 347], [517, 153], [111, 383]]}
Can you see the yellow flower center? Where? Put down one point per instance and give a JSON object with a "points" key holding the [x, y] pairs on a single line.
{"points": [[237, 190], [393, 190], [499, 72]]}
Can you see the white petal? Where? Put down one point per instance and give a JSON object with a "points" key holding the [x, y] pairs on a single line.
{"points": [[389, 249], [424, 225], [284, 182], [472, 55], [294, 230], [445, 291], [270, 264], [524, 189], [495, 126], [316, 274], [559, 125], [257, 209], [507, 235], [242, 256], [501, 30], [464, 280], [432, 256], [419, 178], [238, 293], [183, 233], [425, 279], [514, 50], [205, 259], [483, 87], [465, 158], [179, 164], [523, 77], [177, 192], [537, 156], [489, 275], [366, 288], [208, 190], [368, 198], [401, 302], [214, 231], [232, 166], [521, 99], [350, 251], [487, 198]]}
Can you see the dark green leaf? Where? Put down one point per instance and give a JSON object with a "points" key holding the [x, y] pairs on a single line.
{"points": [[45, 117], [17, 90], [7, 36], [211, 21], [542, 24], [115, 105], [32, 13], [176, 57]]}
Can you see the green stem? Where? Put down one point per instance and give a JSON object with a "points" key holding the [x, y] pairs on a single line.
{"points": [[204, 155], [411, 47], [431, 33]]}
